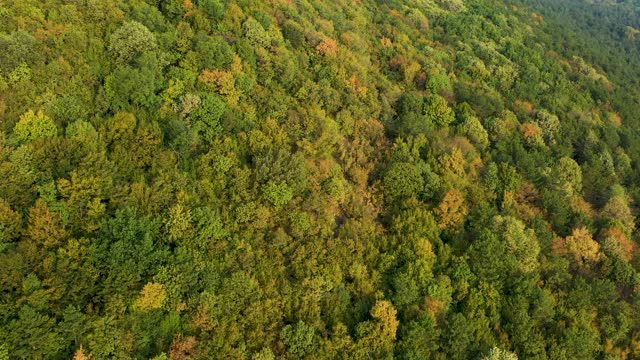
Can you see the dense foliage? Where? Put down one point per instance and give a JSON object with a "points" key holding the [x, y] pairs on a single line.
{"points": [[196, 179]]}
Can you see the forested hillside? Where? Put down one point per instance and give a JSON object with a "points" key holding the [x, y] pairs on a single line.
{"points": [[314, 179]]}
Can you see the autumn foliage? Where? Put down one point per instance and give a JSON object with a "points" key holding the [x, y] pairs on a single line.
{"points": [[327, 47], [312, 179], [451, 211]]}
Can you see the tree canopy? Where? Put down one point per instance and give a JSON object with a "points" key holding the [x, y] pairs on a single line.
{"points": [[208, 179]]}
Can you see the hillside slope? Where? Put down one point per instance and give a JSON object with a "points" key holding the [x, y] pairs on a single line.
{"points": [[197, 179]]}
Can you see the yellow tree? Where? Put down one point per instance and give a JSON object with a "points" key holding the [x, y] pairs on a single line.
{"points": [[32, 126], [44, 227], [581, 247], [10, 222], [452, 210], [378, 336], [222, 82], [80, 355], [151, 297], [178, 224]]}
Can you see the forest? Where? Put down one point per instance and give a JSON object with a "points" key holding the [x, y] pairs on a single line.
{"points": [[314, 179]]}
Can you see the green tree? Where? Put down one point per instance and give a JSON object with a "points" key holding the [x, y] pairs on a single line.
{"points": [[173, 8], [458, 336], [519, 241], [130, 40], [437, 111], [418, 339], [212, 52], [299, 339], [278, 194], [410, 119], [20, 47], [567, 176], [256, 34], [33, 334], [403, 180], [550, 125], [439, 82], [294, 32], [472, 128], [130, 87], [617, 208], [206, 119]]}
